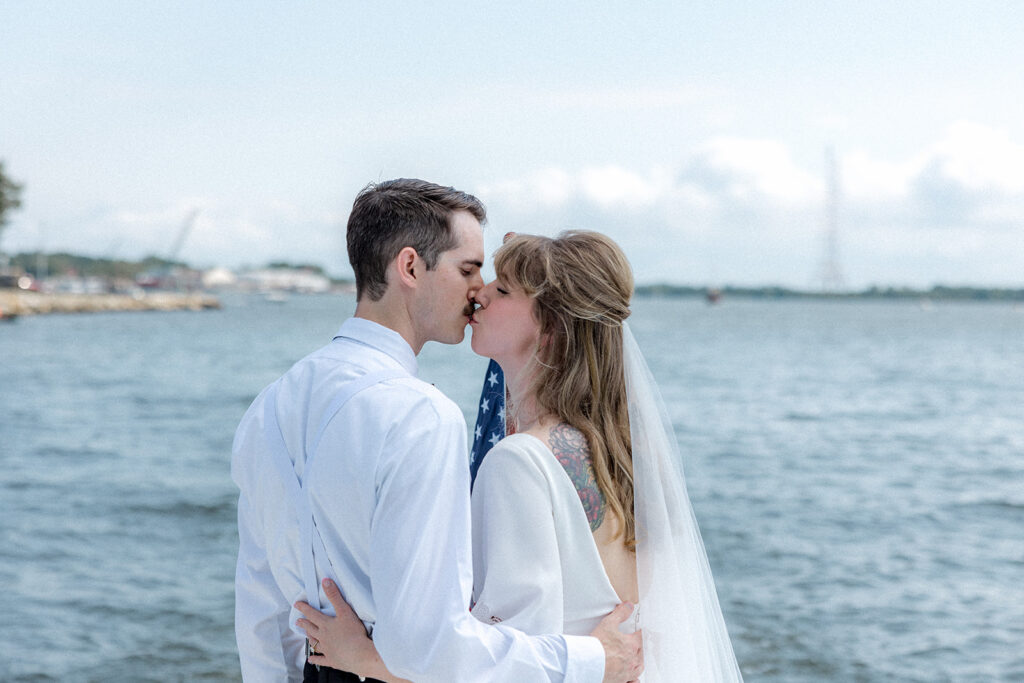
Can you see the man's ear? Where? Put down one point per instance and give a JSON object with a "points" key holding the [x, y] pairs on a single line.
{"points": [[408, 267]]}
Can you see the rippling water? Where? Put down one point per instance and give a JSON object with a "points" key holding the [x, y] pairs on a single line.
{"points": [[857, 469]]}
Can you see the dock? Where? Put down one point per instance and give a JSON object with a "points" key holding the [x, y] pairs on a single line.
{"points": [[15, 303]]}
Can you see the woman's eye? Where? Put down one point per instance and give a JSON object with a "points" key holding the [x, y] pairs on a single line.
{"points": [[501, 291]]}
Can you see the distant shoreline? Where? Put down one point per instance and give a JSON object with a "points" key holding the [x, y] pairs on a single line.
{"points": [[937, 293], [110, 269], [14, 303]]}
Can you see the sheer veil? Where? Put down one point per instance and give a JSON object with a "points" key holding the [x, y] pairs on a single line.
{"points": [[684, 634]]}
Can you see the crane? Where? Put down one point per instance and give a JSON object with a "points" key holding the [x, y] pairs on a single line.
{"points": [[186, 228]]}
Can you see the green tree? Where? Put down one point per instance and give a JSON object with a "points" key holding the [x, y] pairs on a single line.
{"points": [[10, 199]]}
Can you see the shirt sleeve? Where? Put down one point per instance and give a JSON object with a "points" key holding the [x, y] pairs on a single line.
{"points": [[421, 569], [517, 571], [268, 649]]}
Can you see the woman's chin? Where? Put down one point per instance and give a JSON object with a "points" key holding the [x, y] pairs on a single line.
{"points": [[473, 344], [478, 345]]}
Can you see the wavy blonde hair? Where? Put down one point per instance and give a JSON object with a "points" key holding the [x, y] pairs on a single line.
{"points": [[581, 285]]}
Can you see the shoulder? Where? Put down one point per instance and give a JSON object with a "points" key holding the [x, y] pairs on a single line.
{"points": [[412, 397], [517, 457], [569, 446], [515, 448]]}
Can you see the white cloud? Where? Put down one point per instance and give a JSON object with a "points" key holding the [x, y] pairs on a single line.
{"points": [[747, 204], [864, 178], [615, 186], [762, 168], [731, 210], [980, 158], [970, 157], [548, 187]]}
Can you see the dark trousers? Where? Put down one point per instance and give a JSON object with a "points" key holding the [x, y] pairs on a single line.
{"points": [[328, 675]]}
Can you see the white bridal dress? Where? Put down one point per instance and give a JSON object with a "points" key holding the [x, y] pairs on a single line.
{"points": [[537, 567]]}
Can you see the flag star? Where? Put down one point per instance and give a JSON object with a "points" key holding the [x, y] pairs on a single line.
{"points": [[501, 412], [478, 433], [492, 379], [484, 406], [495, 438]]}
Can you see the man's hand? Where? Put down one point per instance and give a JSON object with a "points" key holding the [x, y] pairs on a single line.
{"points": [[623, 652]]}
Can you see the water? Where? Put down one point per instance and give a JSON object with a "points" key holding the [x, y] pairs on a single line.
{"points": [[857, 469]]}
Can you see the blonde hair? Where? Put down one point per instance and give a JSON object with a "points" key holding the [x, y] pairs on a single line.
{"points": [[581, 285]]}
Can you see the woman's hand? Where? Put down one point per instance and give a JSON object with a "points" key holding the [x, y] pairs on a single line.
{"points": [[340, 642]]}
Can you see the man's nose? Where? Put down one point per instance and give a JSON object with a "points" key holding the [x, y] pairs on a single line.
{"points": [[475, 287]]}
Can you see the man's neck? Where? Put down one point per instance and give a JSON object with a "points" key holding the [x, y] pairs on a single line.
{"points": [[389, 314]]}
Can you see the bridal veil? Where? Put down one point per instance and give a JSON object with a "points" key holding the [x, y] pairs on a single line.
{"points": [[684, 634]]}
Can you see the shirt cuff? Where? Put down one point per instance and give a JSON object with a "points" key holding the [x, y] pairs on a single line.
{"points": [[585, 659]]}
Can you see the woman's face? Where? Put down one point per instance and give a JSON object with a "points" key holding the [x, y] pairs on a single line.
{"points": [[504, 327]]}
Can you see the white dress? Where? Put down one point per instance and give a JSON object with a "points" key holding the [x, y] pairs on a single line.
{"points": [[536, 566]]}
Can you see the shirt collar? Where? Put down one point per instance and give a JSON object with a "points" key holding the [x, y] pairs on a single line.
{"points": [[381, 338]]}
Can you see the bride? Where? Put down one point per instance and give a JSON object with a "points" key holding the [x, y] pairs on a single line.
{"points": [[585, 506]]}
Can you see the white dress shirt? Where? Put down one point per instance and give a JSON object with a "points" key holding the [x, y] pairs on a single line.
{"points": [[536, 565], [391, 502]]}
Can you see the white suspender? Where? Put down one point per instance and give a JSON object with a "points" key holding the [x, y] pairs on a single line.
{"points": [[310, 541]]}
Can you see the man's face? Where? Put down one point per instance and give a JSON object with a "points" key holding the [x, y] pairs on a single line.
{"points": [[444, 304]]}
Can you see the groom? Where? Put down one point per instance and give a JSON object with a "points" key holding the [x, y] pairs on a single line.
{"points": [[350, 467]]}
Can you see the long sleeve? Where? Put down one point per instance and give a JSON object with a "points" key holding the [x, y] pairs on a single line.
{"points": [[516, 565], [268, 649], [388, 486], [421, 570]]}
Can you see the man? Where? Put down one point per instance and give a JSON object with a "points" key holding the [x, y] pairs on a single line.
{"points": [[350, 467]]}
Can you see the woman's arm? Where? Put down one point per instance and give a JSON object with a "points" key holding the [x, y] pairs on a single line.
{"points": [[341, 642], [517, 572]]}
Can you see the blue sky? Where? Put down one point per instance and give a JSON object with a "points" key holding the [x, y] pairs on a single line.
{"points": [[692, 133]]}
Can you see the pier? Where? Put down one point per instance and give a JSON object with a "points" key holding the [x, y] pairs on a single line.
{"points": [[17, 303]]}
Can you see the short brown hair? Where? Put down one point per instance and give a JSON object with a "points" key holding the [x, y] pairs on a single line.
{"points": [[389, 216]]}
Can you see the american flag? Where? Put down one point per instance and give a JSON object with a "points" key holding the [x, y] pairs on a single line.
{"points": [[490, 417]]}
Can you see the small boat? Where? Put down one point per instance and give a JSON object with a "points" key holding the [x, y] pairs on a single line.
{"points": [[713, 295]]}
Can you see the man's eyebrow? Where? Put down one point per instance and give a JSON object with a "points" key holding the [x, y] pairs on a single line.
{"points": [[471, 262]]}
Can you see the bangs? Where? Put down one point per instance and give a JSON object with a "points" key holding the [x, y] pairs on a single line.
{"points": [[523, 262]]}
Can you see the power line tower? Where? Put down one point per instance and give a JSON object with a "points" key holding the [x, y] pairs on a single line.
{"points": [[830, 272]]}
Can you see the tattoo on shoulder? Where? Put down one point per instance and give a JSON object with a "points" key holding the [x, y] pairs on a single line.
{"points": [[570, 449]]}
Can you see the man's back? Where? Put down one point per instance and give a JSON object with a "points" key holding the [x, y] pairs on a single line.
{"points": [[362, 450]]}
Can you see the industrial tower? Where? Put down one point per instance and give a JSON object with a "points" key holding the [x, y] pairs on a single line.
{"points": [[830, 273]]}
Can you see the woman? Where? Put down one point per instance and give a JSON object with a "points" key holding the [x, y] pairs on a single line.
{"points": [[585, 506]]}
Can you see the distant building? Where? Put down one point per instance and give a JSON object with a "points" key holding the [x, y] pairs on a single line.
{"points": [[284, 280], [217, 278]]}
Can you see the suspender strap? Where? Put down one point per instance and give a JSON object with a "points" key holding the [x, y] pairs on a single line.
{"points": [[310, 541]]}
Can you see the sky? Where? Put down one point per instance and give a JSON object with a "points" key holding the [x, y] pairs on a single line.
{"points": [[695, 134]]}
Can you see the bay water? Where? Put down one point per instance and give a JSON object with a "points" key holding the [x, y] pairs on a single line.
{"points": [[857, 469]]}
